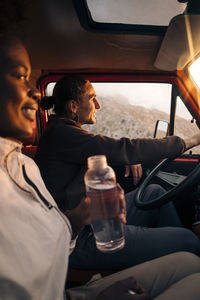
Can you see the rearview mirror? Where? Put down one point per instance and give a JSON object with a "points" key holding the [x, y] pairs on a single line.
{"points": [[161, 129]]}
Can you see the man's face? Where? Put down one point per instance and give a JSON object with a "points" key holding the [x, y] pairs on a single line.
{"points": [[88, 105], [18, 99]]}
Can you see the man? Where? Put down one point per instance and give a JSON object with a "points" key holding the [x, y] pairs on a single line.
{"points": [[62, 159]]}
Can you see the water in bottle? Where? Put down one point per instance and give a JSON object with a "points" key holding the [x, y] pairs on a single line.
{"points": [[101, 187]]}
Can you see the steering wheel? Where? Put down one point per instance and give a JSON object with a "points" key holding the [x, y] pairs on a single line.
{"points": [[178, 182]]}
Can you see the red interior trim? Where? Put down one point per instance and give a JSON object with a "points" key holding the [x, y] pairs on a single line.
{"points": [[186, 159]]}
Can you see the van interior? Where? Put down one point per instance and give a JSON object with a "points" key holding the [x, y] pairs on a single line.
{"points": [[143, 58]]}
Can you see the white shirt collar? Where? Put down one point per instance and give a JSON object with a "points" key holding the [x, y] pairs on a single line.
{"points": [[6, 146]]}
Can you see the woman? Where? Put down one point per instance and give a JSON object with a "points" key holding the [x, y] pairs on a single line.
{"points": [[35, 237]]}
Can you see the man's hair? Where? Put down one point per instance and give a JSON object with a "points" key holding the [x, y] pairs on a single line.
{"points": [[67, 88]]}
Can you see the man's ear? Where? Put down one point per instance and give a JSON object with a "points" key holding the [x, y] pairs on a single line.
{"points": [[72, 105]]}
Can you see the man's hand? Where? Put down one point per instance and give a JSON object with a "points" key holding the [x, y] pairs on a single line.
{"points": [[136, 171], [122, 215], [127, 289], [192, 141], [79, 216]]}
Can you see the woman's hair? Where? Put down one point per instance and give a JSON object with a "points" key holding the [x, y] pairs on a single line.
{"points": [[67, 88], [12, 15]]}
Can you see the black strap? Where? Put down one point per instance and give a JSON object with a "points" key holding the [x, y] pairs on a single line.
{"points": [[27, 179]]}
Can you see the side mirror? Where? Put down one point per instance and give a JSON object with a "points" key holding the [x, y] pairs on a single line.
{"points": [[161, 129]]}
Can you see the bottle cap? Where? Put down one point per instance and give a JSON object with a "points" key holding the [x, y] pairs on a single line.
{"points": [[97, 161]]}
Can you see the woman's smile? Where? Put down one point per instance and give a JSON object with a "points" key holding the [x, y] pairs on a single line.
{"points": [[29, 111]]}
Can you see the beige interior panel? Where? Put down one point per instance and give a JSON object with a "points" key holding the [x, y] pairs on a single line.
{"points": [[56, 40], [180, 44]]}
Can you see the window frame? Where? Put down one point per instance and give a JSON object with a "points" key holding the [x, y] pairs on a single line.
{"points": [[89, 24], [170, 78]]}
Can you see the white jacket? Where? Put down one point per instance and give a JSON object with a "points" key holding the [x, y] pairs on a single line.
{"points": [[34, 235]]}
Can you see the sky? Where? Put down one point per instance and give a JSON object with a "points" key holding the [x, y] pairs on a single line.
{"points": [[154, 12], [149, 95]]}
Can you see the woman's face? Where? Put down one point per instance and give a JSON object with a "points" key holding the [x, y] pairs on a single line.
{"points": [[18, 99]]}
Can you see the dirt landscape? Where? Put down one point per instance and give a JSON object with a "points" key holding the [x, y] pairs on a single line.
{"points": [[117, 118]]}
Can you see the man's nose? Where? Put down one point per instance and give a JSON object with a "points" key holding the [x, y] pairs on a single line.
{"points": [[97, 105]]}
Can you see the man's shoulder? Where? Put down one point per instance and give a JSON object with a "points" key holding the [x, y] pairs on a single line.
{"points": [[59, 124], [54, 119]]}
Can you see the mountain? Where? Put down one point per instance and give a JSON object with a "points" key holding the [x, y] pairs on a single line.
{"points": [[117, 118]]}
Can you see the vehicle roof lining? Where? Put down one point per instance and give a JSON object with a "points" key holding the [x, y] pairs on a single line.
{"points": [[56, 40]]}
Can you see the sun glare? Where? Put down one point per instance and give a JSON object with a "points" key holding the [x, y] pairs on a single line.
{"points": [[194, 70]]}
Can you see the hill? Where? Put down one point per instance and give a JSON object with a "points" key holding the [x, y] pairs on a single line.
{"points": [[117, 118]]}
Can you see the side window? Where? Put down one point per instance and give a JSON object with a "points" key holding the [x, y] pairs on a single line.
{"points": [[49, 92], [130, 109], [184, 124]]}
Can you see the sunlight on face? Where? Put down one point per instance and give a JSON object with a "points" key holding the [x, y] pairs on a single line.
{"points": [[18, 99], [88, 105]]}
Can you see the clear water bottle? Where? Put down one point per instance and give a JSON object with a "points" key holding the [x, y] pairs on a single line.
{"points": [[100, 182]]}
